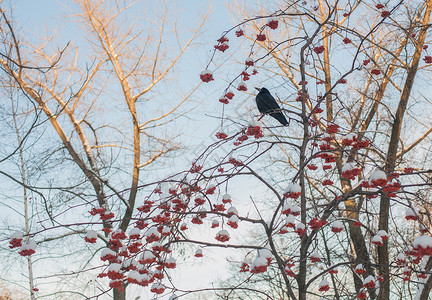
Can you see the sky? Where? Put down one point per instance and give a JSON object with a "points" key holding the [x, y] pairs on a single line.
{"points": [[198, 127], [42, 18]]}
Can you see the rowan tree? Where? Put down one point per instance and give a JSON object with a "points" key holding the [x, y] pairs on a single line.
{"points": [[327, 226], [340, 207]]}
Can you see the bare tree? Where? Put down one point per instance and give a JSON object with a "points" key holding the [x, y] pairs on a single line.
{"points": [[103, 108]]}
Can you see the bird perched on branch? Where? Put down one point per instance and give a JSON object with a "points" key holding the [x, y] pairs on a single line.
{"points": [[268, 105]]}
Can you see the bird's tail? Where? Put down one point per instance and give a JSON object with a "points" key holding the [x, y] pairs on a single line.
{"points": [[280, 117]]}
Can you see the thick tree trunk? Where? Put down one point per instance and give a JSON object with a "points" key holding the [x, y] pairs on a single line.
{"points": [[355, 233], [117, 295], [383, 255], [424, 295]]}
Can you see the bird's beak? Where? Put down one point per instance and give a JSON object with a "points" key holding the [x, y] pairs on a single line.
{"points": [[258, 89]]}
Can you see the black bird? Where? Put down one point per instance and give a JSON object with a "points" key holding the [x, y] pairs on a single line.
{"points": [[268, 105]]}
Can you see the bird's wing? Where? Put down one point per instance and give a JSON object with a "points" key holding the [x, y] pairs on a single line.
{"points": [[266, 103], [261, 104]]}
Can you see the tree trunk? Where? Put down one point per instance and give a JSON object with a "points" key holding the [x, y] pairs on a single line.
{"points": [[117, 295], [424, 295], [383, 255]]}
